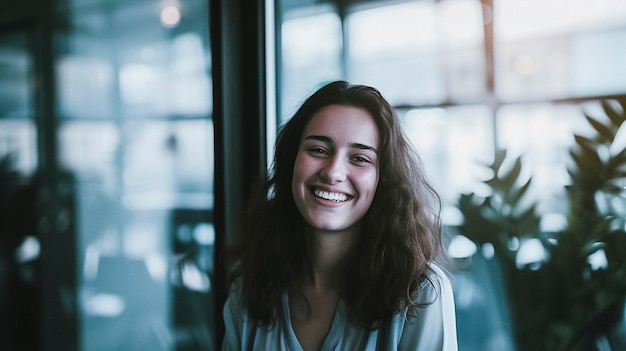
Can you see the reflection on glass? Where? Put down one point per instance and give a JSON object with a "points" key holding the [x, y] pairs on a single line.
{"points": [[465, 75], [151, 86], [597, 62], [90, 149], [394, 48], [523, 20], [419, 51], [170, 15], [170, 150], [311, 53], [453, 142], [134, 97], [461, 22], [86, 98], [540, 54], [16, 70], [392, 29], [532, 69], [128, 221], [542, 134], [429, 58], [18, 137]]}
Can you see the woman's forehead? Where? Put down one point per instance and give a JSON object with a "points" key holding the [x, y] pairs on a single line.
{"points": [[343, 122]]}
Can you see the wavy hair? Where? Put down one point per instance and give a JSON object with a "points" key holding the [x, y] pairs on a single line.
{"points": [[400, 235]]}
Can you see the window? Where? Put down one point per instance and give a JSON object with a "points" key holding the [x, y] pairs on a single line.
{"points": [[135, 111], [307, 61], [17, 128], [468, 77], [575, 54]]}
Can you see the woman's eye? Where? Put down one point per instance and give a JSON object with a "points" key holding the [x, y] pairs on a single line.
{"points": [[317, 151], [361, 159]]}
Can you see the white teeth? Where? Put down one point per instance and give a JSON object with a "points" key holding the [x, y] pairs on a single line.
{"points": [[326, 195]]}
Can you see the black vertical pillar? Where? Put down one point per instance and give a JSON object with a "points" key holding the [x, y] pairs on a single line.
{"points": [[56, 222], [239, 116]]}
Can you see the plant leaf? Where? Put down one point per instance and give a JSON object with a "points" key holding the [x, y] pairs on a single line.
{"points": [[613, 115], [585, 142], [515, 194], [500, 156], [509, 178], [476, 226], [614, 163], [529, 221], [494, 183], [587, 158], [605, 134]]}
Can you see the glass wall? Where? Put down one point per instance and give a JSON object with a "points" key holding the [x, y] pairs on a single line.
{"points": [[468, 78], [418, 53], [430, 58], [19, 246], [17, 130], [305, 61], [134, 104]]}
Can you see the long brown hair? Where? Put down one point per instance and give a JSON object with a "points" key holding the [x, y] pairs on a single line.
{"points": [[401, 231]]}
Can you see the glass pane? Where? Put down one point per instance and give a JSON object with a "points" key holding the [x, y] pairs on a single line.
{"points": [[16, 71], [453, 143], [85, 98], [138, 136], [90, 149], [170, 151], [598, 62], [466, 75], [418, 51], [559, 48], [386, 52], [165, 78], [18, 135], [461, 22], [311, 52], [542, 134], [433, 53], [154, 71]]}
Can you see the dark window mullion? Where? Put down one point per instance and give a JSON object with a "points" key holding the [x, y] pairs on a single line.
{"points": [[239, 115]]}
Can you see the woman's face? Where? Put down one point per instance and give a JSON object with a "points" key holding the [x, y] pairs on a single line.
{"points": [[336, 169]]}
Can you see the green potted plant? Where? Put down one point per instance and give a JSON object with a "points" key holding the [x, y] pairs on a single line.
{"points": [[562, 302]]}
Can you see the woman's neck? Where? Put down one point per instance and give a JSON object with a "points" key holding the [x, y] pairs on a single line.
{"points": [[327, 254]]}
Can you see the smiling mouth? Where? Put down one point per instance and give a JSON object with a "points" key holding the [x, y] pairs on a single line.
{"points": [[331, 196]]}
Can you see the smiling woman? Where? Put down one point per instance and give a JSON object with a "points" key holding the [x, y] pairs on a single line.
{"points": [[339, 245], [336, 169]]}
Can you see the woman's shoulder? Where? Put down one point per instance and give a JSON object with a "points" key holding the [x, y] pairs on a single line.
{"points": [[437, 272], [436, 283], [234, 299], [430, 324]]}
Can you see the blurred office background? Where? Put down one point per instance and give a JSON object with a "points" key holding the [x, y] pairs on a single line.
{"points": [[131, 132]]}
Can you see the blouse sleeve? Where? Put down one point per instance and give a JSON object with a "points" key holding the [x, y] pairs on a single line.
{"points": [[432, 327], [233, 323]]}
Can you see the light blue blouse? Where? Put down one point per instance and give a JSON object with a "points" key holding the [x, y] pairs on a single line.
{"points": [[432, 328]]}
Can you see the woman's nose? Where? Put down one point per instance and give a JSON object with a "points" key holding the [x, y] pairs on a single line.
{"points": [[334, 171]]}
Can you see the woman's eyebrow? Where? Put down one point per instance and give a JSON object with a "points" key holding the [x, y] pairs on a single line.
{"points": [[329, 140], [322, 138], [364, 147]]}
